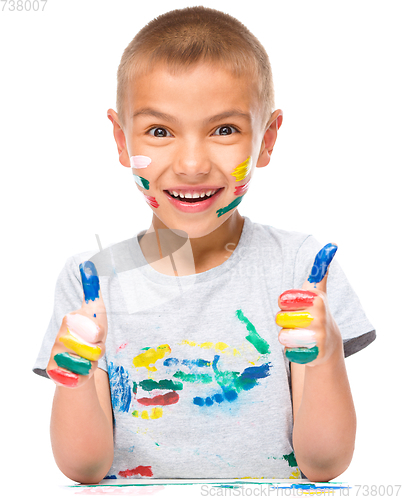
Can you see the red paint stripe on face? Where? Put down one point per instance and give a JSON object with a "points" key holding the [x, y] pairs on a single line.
{"points": [[62, 377], [151, 201], [239, 190], [296, 299], [169, 398], [142, 470]]}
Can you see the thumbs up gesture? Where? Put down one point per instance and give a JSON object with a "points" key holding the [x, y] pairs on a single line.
{"points": [[80, 342], [309, 332]]}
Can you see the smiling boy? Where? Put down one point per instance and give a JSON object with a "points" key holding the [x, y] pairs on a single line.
{"points": [[192, 381]]}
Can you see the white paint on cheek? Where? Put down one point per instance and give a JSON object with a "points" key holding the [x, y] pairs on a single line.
{"points": [[83, 327], [297, 337], [139, 161]]}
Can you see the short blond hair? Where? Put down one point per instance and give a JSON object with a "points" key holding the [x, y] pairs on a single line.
{"points": [[183, 37]]}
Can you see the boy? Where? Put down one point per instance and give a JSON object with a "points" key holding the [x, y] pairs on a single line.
{"points": [[180, 372]]}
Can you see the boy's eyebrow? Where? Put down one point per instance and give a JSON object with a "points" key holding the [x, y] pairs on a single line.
{"points": [[165, 116]]}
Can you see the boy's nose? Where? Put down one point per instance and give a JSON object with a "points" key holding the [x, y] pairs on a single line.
{"points": [[191, 159]]}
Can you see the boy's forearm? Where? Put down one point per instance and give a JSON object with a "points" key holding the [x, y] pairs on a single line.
{"points": [[81, 435], [325, 425]]}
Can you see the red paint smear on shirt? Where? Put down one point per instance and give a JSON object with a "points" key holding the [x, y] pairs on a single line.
{"points": [[142, 470], [296, 299], [242, 189], [169, 398], [122, 346]]}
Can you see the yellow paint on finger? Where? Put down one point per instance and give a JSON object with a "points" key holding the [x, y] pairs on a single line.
{"points": [[294, 319], [93, 353], [242, 170], [151, 356]]}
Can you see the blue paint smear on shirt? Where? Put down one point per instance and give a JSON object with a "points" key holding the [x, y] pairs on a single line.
{"points": [[119, 382]]}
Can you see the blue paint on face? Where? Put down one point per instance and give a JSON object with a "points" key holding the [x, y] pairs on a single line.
{"points": [[90, 280], [322, 261], [119, 382]]}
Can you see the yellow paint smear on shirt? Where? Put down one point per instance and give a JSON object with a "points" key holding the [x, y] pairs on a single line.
{"points": [[83, 350], [156, 412], [151, 356], [242, 170], [219, 346]]}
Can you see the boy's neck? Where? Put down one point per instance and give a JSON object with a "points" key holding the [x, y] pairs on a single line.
{"points": [[203, 253]]}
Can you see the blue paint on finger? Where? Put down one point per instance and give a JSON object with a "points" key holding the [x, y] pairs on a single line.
{"points": [[322, 261], [90, 280]]}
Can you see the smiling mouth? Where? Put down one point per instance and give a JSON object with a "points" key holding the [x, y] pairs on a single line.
{"points": [[193, 200]]}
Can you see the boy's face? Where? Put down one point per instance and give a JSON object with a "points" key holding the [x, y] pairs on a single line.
{"points": [[199, 130]]}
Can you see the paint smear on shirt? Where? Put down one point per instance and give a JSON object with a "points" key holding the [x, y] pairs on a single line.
{"points": [[119, 382], [150, 357], [141, 470], [254, 338]]}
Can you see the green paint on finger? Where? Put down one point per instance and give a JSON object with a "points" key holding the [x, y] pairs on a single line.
{"points": [[74, 364], [301, 355]]}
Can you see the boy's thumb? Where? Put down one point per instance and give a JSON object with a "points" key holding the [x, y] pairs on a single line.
{"points": [[320, 269]]}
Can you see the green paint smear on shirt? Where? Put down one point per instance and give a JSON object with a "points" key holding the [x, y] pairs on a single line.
{"points": [[301, 355], [254, 338], [229, 207], [194, 377], [149, 385], [291, 459], [144, 183]]}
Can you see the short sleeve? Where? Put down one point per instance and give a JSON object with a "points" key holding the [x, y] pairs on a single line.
{"points": [[356, 330], [68, 297]]}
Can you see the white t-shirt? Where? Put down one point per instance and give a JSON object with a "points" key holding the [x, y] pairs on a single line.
{"points": [[200, 385]]}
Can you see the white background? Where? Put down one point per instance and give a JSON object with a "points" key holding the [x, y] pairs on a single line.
{"points": [[335, 173]]}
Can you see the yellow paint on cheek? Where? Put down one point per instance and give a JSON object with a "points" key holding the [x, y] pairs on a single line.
{"points": [[294, 319], [242, 170], [151, 356], [85, 351]]}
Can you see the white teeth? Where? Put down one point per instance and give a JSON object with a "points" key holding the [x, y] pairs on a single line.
{"points": [[202, 194]]}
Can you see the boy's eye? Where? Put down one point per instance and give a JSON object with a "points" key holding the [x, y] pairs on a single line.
{"points": [[159, 132], [225, 130]]}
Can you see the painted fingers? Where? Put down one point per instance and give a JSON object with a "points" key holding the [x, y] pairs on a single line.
{"points": [[303, 312], [80, 342]]}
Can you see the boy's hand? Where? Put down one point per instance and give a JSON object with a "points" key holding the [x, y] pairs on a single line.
{"points": [[80, 342], [309, 332]]}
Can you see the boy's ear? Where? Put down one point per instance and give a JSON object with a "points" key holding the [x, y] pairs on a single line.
{"points": [[120, 138], [269, 138]]}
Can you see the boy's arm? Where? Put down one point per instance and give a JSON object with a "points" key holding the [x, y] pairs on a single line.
{"points": [[81, 429], [324, 415], [324, 418]]}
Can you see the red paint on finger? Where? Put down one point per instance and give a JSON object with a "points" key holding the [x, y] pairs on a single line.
{"points": [[297, 299], [62, 377]]}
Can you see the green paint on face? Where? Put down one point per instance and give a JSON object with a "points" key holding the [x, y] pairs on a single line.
{"points": [[194, 377], [254, 338], [149, 385], [291, 459], [144, 183], [229, 207], [301, 355], [74, 364]]}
